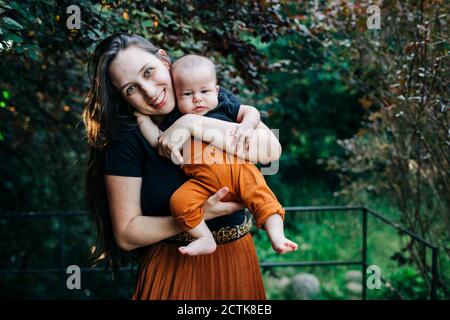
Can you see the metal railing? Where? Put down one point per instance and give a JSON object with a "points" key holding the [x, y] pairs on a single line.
{"points": [[364, 211]]}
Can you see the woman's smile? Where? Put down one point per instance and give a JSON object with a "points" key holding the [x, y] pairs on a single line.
{"points": [[159, 102]]}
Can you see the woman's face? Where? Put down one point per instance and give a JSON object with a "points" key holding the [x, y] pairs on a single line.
{"points": [[144, 80]]}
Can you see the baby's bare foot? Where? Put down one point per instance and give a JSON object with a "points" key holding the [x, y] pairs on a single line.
{"points": [[283, 245], [204, 245]]}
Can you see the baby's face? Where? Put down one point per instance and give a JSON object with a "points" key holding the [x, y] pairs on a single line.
{"points": [[196, 90]]}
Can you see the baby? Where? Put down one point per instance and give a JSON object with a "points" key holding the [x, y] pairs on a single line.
{"points": [[196, 90]]}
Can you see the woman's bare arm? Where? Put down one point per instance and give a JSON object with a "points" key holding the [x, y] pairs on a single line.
{"points": [[132, 229], [264, 147]]}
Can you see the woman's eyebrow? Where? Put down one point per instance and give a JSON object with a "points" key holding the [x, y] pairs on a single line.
{"points": [[144, 66], [140, 70]]}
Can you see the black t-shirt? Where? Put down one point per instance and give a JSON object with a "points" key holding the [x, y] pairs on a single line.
{"points": [[131, 155]]}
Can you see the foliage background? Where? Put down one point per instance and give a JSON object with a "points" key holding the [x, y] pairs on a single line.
{"points": [[363, 117]]}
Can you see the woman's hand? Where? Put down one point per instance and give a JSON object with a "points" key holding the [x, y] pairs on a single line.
{"points": [[214, 208]]}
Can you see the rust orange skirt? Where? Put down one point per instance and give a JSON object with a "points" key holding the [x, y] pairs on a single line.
{"points": [[231, 272]]}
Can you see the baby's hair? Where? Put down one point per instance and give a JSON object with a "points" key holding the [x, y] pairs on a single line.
{"points": [[191, 61]]}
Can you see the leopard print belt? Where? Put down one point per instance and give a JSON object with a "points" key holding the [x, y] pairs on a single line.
{"points": [[223, 235]]}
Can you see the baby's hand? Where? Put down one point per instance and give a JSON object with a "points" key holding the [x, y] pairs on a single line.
{"points": [[241, 137], [149, 130]]}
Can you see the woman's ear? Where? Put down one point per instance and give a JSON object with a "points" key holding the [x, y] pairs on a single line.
{"points": [[165, 58], [163, 53]]}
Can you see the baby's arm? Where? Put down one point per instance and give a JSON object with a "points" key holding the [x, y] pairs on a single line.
{"points": [[149, 130], [248, 119]]}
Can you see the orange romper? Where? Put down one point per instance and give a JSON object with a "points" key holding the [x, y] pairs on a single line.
{"points": [[212, 169]]}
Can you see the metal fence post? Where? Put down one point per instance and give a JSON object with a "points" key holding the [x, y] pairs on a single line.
{"points": [[434, 272], [364, 253]]}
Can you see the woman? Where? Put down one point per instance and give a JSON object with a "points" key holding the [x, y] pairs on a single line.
{"points": [[129, 185]]}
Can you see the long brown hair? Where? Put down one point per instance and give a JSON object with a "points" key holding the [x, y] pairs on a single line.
{"points": [[105, 110]]}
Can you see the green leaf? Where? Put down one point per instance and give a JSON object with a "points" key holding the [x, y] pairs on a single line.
{"points": [[4, 5], [147, 24], [6, 94], [12, 23], [13, 37], [32, 54], [16, 6], [158, 13]]}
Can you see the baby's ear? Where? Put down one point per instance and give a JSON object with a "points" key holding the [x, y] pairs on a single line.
{"points": [[217, 90]]}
